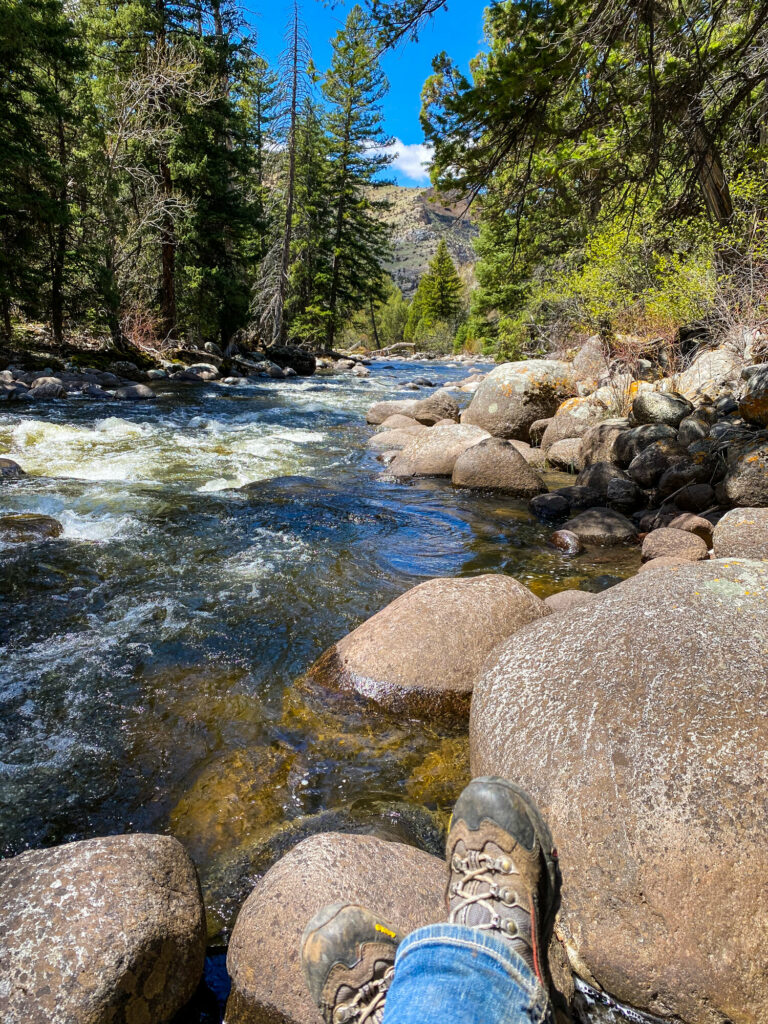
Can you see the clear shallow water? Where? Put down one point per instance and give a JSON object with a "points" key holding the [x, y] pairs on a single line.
{"points": [[215, 542]]}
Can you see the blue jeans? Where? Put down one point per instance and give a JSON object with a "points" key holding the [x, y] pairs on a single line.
{"points": [[451, 974]]}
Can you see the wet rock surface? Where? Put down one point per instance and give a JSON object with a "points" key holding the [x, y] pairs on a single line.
{"points": [[29, 527], [601, 526], [661, 827], [420, 654], [100, 931]]}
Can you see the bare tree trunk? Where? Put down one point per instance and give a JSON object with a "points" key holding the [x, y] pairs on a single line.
{"points": [[279, 329], [373, 321], [8, 329], [709, 167], [60, 243]]}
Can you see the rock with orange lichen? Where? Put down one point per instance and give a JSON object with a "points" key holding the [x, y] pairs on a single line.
{"points": [[742, 533], [753, 405], [514, 395]]}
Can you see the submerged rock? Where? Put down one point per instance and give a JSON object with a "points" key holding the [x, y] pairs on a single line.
{"points": [[642, 718], [420, 654], [104, 930], [401, 883], [10, 470], [135, 392], [27, 527], [601, 526]]}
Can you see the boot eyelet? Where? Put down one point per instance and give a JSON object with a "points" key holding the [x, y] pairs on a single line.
{"points": [[504, 864], [510, 928]]}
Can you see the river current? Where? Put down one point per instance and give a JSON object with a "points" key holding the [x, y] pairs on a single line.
{"points": [[216, 541]]}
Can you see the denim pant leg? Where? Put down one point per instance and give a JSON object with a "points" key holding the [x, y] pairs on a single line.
{"points": [[451, 974]]}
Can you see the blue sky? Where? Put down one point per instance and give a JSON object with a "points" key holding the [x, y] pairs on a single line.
{"points": [[458, 30]]}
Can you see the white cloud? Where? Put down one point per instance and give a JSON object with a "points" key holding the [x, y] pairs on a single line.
{"points": [[410, 159]]}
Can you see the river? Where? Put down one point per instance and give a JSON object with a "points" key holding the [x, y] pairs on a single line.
{"points": [[216, 541]]}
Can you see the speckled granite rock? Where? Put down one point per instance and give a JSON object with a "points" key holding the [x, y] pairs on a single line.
{"points": [[643, 722], [100, 931]]}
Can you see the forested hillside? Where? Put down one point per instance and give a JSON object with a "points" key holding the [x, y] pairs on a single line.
{"points": [[159, 181]]}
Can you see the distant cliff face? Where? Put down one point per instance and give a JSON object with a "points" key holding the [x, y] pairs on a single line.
{"points": [[419, 220]]}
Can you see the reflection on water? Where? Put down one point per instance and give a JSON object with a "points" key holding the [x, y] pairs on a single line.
{"points": [[215, 542]]}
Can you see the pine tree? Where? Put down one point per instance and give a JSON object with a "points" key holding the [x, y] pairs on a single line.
{"points": [[442, 295], [354, 88]]}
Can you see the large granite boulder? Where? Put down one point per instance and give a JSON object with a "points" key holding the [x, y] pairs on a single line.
{"points": [[399, 882], [515, 395], [640, 728], [439, 406], [100, 931], [394, 440], [711, 374], [742, 533], [434, 453], [496, 465], [565, 455], [420, 654]]}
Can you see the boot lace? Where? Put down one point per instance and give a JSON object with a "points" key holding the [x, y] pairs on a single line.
{"points": [[368, 1002], [477, 886]]}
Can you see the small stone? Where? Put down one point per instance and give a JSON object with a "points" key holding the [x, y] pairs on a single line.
{"points": [[440, 406], [660, 407], [135, 392], [670, 543], [565, 455], [693, 524], [10, 470], [537, 429], [567, 542]]}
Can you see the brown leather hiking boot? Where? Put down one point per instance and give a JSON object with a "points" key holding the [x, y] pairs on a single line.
{"points": [[348, 956], [502, 869]]}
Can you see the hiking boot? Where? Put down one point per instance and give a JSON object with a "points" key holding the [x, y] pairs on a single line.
{"points": [[503, 874], [348, 957]]}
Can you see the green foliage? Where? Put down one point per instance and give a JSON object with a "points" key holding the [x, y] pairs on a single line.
{"points": [[437, 305]]}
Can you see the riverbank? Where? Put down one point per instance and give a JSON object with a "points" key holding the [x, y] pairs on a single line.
{"points": [[153, 668]]}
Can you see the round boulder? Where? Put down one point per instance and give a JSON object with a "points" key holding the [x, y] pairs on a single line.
{"points": [[693, 524], [598, 476], [742, 533], [598, 442], [630, 443], [98, 931], [440, 406], [420, 654], [643, 723], [566, 542], [549, 506], [601, 526], [434, 453], [515, 395], [669, 543], [565, 455], [660, 407], [400, 422], [399, 882], [135, 392], [494, 464]]}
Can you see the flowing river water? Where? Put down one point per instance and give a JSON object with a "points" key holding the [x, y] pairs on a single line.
{"points": [[216, 541]]}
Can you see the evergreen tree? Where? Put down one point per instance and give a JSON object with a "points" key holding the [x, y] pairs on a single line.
{"points": [[442, 297], [354, 88]]}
